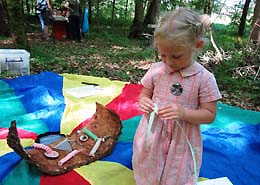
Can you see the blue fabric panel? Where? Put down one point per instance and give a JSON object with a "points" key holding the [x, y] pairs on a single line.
{"points": [[234, 152], [85, 24], [122, 153], [7, 163], [41, 96]]}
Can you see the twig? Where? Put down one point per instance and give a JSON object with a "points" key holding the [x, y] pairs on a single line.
{"points": [[219, 11], [257, 73], [219, 55]]}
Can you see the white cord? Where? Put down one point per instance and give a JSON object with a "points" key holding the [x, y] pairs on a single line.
{"points": [[151, 119], [192, 153]]}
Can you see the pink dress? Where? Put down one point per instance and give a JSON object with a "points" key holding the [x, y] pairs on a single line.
{"points": [[168, 160]]}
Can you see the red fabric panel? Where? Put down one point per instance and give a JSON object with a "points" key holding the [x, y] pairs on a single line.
{"points": [[126, 104], [69, 178], [22, 134]]}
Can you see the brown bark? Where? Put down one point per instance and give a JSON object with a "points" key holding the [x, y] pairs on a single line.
{"points": [[113, 11], [208, 7], [16, 23], [126, 8], [242, 24], [152, 13], [255, 26], [4, 31], [97, 15], [90, 11], [137, 27]]}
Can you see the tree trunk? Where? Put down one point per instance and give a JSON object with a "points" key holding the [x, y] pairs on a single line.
{"points": [[208, 7], [137, 27], [255, 26], [27, 7], [242, 23], [16, 21], [97, 14], [4, 31], [90, 11], [152, 14], [113, 11], [126, 8]]}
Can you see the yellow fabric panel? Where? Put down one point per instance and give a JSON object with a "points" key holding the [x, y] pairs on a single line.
{"points": [[202, 179], [6, 149], [108, 173], [79, 109]]}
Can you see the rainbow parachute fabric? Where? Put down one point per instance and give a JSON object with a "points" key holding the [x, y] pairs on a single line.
{"points": [[49, 102]]}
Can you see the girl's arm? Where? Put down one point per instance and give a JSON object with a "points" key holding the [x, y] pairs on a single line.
{"points": [[145, 102], [205, 114]]}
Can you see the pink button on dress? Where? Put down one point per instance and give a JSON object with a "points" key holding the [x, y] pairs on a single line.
{"points": [[168, 160]]}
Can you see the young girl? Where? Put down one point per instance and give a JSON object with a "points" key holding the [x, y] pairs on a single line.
{"points": [[182, 94]]}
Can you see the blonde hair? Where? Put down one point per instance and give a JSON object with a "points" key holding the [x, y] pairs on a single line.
{"points": [[182, 25]]}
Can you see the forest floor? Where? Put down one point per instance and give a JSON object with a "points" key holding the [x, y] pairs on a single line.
{"points": [[114, 57]]}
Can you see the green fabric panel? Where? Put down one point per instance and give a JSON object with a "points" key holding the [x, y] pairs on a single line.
{"points": [[11, 108], [129, 128], [227, 115], [10, 104], [25, 173]]}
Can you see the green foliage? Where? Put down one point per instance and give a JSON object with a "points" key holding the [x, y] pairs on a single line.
{"points": [[107, 52], [224, 72], [172, 4], [235, 75], [121, 15], [225, 36], [3, 37]]}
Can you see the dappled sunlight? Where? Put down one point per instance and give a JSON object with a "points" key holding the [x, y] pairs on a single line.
{"points": [[96, 57], [7, 41], [93, 46], [118, 47], [140, 64], [112, 65]]}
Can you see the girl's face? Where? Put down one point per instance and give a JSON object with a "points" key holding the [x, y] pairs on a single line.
{"points": [[177, 56]]}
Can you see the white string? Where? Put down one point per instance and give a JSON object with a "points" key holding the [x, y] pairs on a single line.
{"points": [[150, 123], [151, 119], [192, 153]]}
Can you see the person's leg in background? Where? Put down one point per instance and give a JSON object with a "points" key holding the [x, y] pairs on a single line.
{"points": [[70, 27], [74, 27], [45, 16], [78, 31], [42, 24]]}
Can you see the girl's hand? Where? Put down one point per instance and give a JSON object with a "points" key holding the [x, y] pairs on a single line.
{"points": [[146, 105], [171, 111]]}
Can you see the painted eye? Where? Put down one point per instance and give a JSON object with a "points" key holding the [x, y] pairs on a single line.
{"points": [[83, 138]]}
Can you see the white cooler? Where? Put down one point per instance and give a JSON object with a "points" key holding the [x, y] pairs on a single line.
{"points": [[14, 62]]}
